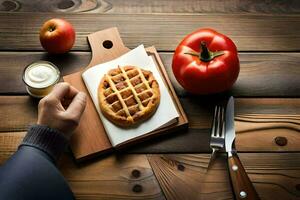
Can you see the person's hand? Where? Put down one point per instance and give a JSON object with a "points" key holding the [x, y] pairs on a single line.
{"points": [[62, 108]]}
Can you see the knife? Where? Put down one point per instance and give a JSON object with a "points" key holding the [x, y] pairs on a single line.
{"points": [[242, 186]]}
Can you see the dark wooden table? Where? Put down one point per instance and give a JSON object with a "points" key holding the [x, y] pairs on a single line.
{"points": [[267, 34]]}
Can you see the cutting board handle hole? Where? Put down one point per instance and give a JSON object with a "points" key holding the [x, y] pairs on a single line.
{"points": [[107, 44]]}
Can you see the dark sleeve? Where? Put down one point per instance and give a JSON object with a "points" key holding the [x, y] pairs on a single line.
{"points": [[31, 172]]}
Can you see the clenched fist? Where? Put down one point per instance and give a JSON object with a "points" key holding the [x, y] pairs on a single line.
{"points": [[62, 108]]}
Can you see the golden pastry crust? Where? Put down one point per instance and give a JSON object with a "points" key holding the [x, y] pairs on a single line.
{"points": [[128, 95]]}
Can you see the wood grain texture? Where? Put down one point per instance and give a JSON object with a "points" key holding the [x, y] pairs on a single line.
{"points": [[182, 176], [200, 112], [9, 142], [109, 178], [13, 63], [274, 175], [262, 74], [255, 32], [18, 112], [265, 130], [154, 6], [263, 124]]}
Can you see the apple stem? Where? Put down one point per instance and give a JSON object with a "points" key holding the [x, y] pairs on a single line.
{"points": [[51, 29]]}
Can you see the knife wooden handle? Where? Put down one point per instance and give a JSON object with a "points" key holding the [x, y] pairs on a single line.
{"points": [[242, 186]]}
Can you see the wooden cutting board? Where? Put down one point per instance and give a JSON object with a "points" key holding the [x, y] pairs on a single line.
{"points": [[89, 138]]}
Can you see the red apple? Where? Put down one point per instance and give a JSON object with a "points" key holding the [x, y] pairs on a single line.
{"points": [[57, 36]]}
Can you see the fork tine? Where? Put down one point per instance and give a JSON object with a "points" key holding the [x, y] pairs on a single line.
{"points": [[214, 123], [219, 121], [217, 132], [221, 124], [222, 135]]}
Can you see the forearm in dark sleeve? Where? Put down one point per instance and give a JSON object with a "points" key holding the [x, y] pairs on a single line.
{"points": [[31, 172]]}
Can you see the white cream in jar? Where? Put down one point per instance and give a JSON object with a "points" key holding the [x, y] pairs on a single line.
{"points": [[40, 77]]}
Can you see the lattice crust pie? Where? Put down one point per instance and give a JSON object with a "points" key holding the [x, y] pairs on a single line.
{"points": [[128, 95]]}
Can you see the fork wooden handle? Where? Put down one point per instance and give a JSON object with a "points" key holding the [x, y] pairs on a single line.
{"points": [[242, 186]]}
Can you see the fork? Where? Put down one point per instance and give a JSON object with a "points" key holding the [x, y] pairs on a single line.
{"points": [[217, 139]]}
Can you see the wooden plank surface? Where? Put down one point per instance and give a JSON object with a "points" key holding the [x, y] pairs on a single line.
{"points": [[8, 144], [200, 111], [112, 178], [17, 112], [263, 124], [185, 176], [255, 32], [154, 6], [274, 175], [181, 176], [268, 132], [108, 178], [262, 74]]}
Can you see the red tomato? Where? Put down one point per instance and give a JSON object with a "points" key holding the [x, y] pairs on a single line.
{"points": [[206, 62]]}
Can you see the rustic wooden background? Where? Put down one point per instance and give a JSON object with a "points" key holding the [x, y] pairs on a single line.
{"points": [[267, 34]]}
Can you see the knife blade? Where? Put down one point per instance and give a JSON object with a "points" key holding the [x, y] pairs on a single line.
{"points": [[242, 186], [229, 126]]}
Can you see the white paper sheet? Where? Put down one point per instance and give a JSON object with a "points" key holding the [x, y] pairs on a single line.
{"points": [[165, 112]]}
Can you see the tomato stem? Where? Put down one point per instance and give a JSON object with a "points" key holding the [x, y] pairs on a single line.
{"points": [[205, 55]]}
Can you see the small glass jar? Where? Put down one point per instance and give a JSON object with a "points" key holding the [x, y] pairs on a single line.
{"points": [[40, 78]]}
